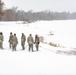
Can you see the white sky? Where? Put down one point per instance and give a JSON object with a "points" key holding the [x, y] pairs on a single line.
{"points": [[40, 5]]}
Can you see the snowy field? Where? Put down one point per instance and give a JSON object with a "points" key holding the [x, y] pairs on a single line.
{"points": [[45, 61]]}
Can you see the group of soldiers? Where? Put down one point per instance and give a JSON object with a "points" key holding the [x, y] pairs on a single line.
{"points": [[13, 41]]}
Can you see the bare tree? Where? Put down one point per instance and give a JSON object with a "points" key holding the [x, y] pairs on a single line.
{"points": [[1, 9]]}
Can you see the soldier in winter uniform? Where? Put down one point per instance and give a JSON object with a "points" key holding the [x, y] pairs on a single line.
{"points": [[10, 40], [37, 42], [14, 42], [30, 41], [23, 39], [1, 40]]}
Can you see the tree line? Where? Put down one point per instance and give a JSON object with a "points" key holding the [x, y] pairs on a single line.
{"points": [[19, 15], [13, 14], [1, 9]]}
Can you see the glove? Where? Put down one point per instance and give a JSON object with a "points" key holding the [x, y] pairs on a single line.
{"points": [[38, 42]]}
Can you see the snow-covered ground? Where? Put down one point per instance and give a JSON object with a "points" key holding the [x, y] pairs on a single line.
{"points": [[45, 61]]}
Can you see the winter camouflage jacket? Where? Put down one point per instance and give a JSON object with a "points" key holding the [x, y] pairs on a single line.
{"points": [[30, 40], [1, 37], [10, 38], [15, 40], [23, 39], [37, 41]]}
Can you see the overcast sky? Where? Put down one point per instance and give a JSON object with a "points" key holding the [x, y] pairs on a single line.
{"points": [[40, 5]]}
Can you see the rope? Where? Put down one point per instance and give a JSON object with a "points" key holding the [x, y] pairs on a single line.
{"points": [[26, 46]]}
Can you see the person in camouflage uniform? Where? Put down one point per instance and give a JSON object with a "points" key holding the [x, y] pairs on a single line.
{"points": [[10, 40], [37, 41], [23, 39], [14, 42], [1, 40], [30, 41]]}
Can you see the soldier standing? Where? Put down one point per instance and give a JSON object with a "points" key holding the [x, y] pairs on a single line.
{"points": [[1, 40], [23, 39], [30, 41], [37, 41], [10, 40], [14, 42]]}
